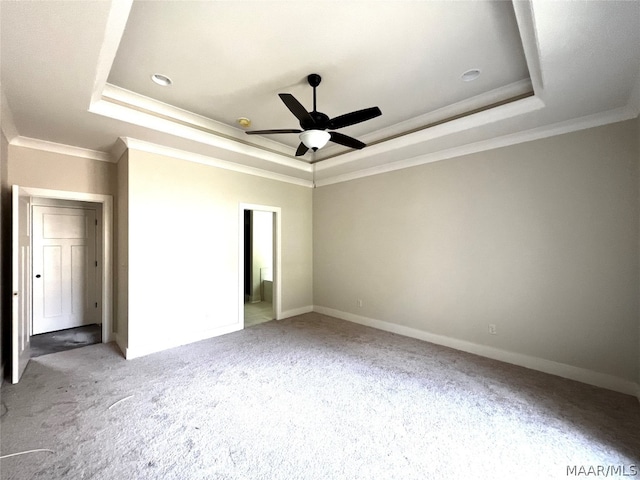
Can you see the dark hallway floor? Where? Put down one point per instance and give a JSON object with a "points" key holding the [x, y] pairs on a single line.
{"points": [[62, 340]]}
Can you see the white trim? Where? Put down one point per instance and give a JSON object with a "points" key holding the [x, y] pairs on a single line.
{"points": [[295, 312], [8, 125], [463, 124], [634, 98], [526, 21], [107, 243], [277, 258], [190, 132], [206, 125], [547, 366], [149, 147], [591, 121], [491, 97], [47, 146], [178, 341], [118, 149], [113, 32]]}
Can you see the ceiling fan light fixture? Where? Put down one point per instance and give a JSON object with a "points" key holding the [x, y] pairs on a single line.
{"points": [[315, 139]]}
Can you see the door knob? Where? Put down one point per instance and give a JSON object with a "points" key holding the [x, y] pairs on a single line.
{"points": [[38, 276]]}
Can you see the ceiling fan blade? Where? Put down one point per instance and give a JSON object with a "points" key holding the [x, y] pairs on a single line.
{"points": [[296, 108], [346, 140], [266, 132], [302, 149], [354, 117]]}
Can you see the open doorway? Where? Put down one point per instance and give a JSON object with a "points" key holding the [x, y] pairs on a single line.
{"points": [[258, 267], [99, 211], [259, 264], [65, 245]]}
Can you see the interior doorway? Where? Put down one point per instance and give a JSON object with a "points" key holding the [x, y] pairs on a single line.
{"points": [[24, 199], [259, 264], [65, 279]]}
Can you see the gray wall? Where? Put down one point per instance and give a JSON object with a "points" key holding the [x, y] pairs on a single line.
{"points": [[540, 239], [183, 244], [39, 169]]}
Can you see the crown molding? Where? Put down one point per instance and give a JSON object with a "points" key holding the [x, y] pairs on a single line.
{"points": [[141, 103], [141, 145], [116, 23], [416, 126], [52, 147], [485, 117], [560, 128], [634, 98], [525, 19], [124, 112], [8, 125]]}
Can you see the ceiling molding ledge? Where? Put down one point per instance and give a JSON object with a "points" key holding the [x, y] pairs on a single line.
{"points": [[560, 128], [480, 119], [456, 111], [60, 148], [634, 99], [141, 145], [140, 103], [118, 149], [525, 19], [148, 120], [114, 30], [8, 126]]}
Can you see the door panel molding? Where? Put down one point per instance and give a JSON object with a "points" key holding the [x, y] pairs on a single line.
{"points": [[64, 266]]}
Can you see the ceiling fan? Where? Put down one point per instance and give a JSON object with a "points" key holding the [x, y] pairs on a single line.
{"points": [[314, 124]]}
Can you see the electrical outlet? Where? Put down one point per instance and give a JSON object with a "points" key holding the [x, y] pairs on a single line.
{"points": [[360, 302], [492, 329]]}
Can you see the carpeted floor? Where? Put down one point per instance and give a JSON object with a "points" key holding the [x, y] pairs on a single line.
{"points": [[310, 397]]}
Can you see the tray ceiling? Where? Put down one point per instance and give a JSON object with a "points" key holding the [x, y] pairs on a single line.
{"points": [[79, 74]]}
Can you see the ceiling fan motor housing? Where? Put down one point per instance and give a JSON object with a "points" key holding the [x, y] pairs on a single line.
{"points": [[318, 121]]}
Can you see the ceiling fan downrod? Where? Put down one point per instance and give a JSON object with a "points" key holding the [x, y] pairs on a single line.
{"points": [[314, 80]]}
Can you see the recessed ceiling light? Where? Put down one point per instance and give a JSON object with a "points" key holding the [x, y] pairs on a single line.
{"points": [[244, 122], [470, 75], [161, 80]]}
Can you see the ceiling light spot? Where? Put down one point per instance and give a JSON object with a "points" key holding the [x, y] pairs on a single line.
{"points": [[244, 122], [470, 75], [161, 80]]}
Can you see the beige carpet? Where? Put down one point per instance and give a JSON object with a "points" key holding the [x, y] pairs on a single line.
{"points": [[310, 397]]}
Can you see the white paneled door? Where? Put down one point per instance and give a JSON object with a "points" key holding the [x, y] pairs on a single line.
{"points": [[64, 268], [21, 305]]}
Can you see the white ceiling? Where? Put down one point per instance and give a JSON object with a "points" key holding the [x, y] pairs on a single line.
{"points": [[78, 74]]}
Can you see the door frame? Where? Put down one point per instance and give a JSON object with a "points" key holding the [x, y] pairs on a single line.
{"points": [[277, 248], [106, 242]]}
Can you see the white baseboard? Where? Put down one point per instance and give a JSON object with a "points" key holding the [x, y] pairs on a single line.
{"points": [[547, 366], [296, 311], [136, 351]]}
